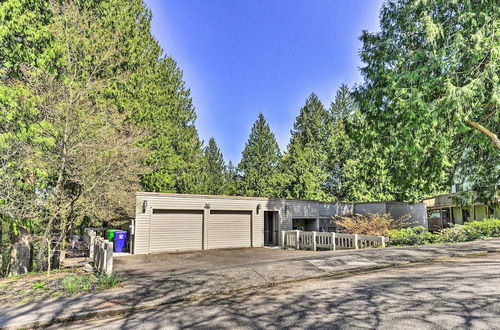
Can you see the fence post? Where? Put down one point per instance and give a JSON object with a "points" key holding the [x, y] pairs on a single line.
{"points": [[109, 258], [383, 241], [356, 241], [91, 234], [314, 241], [283, 239], [102, 262], [297, 244], [334, 245]]}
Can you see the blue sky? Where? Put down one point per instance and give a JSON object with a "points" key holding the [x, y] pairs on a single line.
{"points": [[242, 57]]}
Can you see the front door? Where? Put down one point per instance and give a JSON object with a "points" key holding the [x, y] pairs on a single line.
{"points": [[270, 228]]}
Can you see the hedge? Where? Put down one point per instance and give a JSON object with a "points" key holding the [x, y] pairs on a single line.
{"points": [[469, 231]]}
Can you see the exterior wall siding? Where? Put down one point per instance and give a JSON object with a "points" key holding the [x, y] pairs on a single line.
{"points": [[364, 208], [457, 215]]}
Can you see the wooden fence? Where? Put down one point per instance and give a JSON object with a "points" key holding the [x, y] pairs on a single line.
{"points": [[100, 251], [313, 240]]}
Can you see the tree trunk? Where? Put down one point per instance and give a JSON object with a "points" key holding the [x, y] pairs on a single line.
{"points": [[493, 137], [19, 260]]}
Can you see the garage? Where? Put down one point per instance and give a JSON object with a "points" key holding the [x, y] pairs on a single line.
{"points": [[229, 229], [176, 230]]}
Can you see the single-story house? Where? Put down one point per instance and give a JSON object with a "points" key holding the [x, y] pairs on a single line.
{"points": [[458, 208], [167, 222]]}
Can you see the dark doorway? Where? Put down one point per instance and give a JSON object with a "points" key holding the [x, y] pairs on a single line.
{"points": [[270, 228], [465, 215]]}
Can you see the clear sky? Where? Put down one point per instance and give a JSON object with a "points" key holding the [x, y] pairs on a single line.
{"points": [[242, 57]]}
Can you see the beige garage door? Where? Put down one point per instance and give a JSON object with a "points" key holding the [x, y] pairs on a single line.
{"points": [[229, 229], [176, 230]]}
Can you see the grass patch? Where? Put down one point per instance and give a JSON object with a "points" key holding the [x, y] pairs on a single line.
{"points": [[38, 287], [77, 283], [107, 281]]}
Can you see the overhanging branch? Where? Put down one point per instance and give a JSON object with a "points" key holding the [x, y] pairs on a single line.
{"points": [[486, 131]]}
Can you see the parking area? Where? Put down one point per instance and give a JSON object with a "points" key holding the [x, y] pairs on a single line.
{"points": [[207, 259]]}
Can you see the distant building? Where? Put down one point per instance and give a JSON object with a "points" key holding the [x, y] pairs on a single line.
{"points": [[459, 207]]}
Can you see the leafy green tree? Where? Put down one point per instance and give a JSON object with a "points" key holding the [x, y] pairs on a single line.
{"points": [[258, 168], [304, 164], [431, 93], [83, 85], [215, 169]]}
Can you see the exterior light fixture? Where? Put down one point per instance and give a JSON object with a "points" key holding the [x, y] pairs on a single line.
{"points": [[258, 208], [286, 208], [144, 206], [207, 206]]}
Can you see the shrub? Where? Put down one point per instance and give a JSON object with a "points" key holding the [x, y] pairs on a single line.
{"points": [[369, 224], [455, 233], [470, 231], [410, 236]]}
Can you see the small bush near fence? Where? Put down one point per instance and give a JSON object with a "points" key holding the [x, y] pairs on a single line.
{"points": [[410, 236], [469, 231], [370, 224]]}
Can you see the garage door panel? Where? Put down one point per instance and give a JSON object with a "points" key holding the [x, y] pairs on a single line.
{"points": [[176, 230], [229, 229]]}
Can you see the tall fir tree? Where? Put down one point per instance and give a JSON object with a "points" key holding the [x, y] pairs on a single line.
{"points": [[431, 93], [215, 170], [258, 168], [232, 179], [304, 164], [340, 147]]}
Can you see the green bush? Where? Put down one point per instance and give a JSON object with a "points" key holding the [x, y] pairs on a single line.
{"points": [[410, 236], [470, 231], [456, 233]]}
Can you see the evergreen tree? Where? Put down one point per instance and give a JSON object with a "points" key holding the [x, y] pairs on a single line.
{"points": [[340, 146], [215, 169], [431, 93], [259, 163], [304, 164], [167, 113], [232, 179]]}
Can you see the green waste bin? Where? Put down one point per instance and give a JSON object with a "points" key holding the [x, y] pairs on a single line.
{"points": [[110, 234]]}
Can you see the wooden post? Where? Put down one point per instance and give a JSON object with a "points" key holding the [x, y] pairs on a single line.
{"points": [[109, 258], [314, 241], [356, 241], [383, 241], [334, 245], [103, 251], [297, 244], [283, 240]]}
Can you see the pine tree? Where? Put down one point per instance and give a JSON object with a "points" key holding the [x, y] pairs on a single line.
{"points": [[304, 164], [259, 163], [215, 169]]}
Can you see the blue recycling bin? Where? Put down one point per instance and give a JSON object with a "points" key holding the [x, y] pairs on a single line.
{"points": [[120, 238]]}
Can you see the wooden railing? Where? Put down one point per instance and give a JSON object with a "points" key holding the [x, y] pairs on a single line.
{"points": [[313, 240]]}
